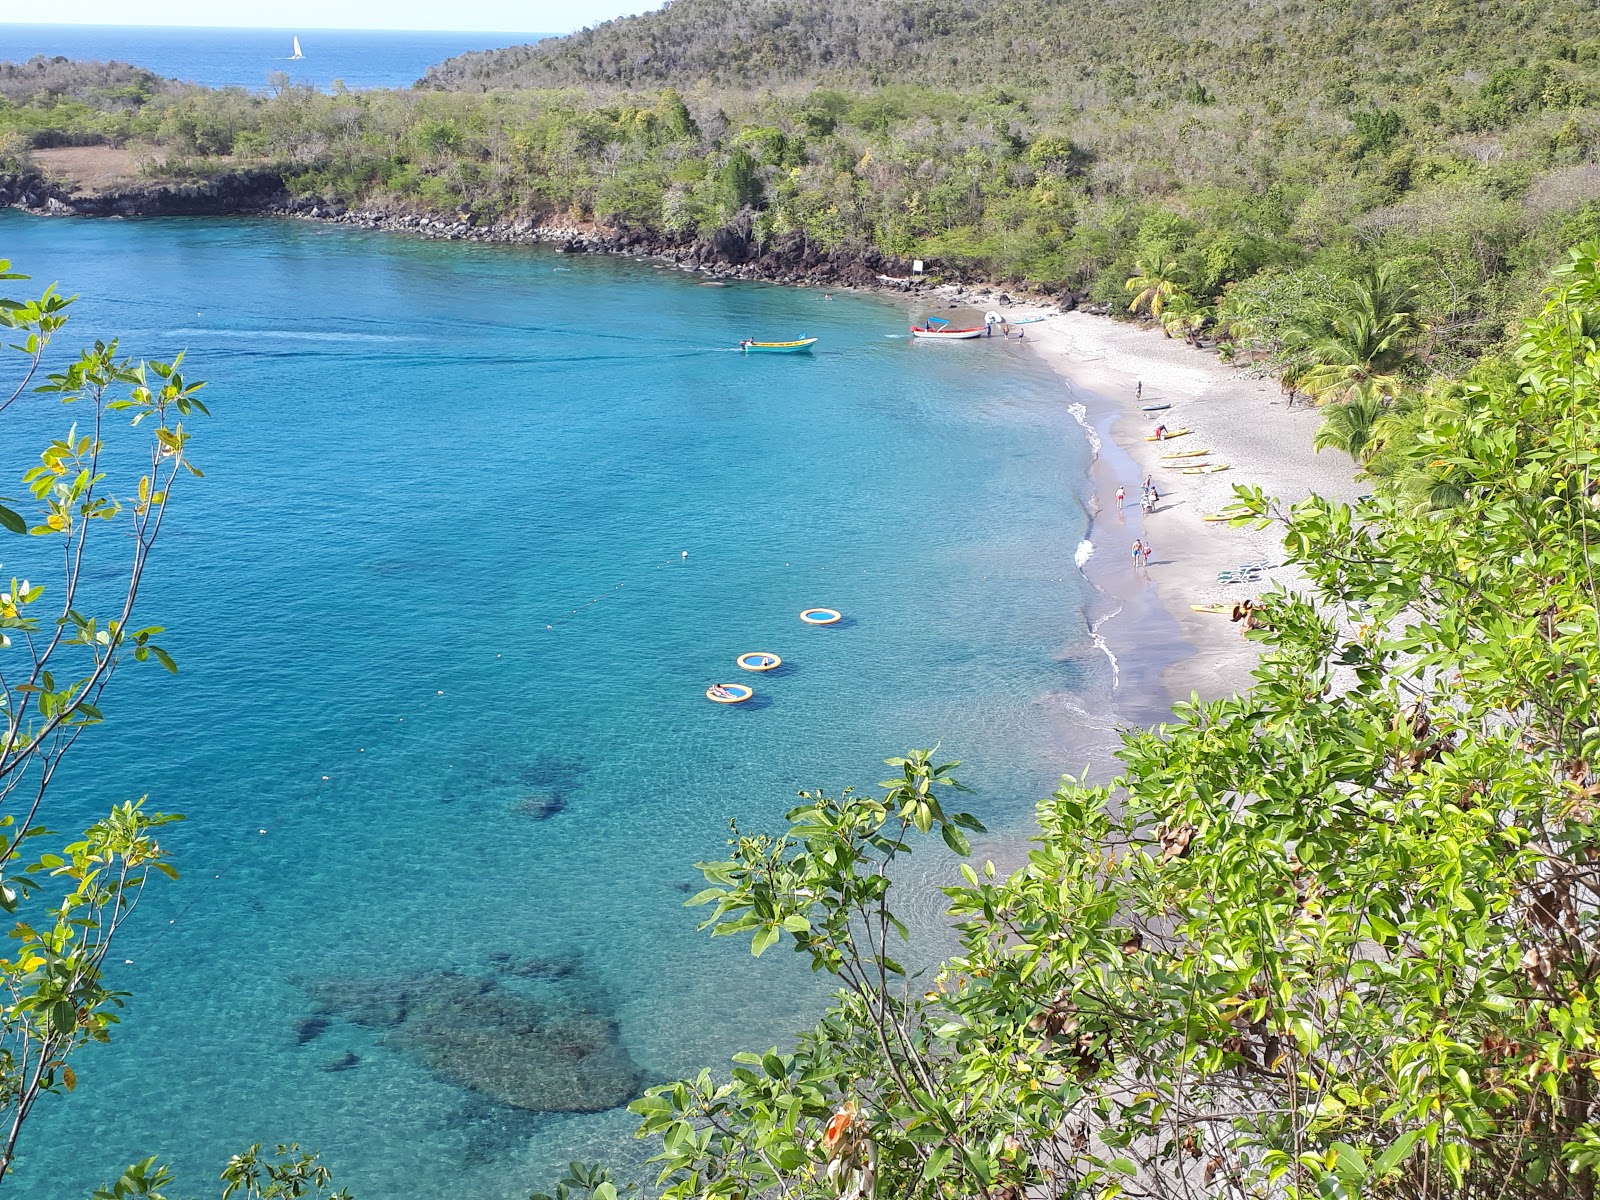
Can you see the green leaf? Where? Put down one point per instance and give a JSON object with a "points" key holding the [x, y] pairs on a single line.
{"points": [[12, 521], [938, 1160], [763, 939]]}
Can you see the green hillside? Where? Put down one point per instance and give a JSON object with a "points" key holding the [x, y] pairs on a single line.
{"points": [[1091, 51]]}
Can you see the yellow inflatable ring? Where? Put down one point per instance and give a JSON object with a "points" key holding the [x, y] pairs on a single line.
{"points": [[757, 660], [821, 616], [729, 693]]}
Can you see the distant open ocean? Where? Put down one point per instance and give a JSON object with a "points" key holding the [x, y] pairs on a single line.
{"points": [[248, 57]]}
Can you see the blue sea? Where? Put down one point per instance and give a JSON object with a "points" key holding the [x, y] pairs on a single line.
{"points": [[479, 527], [247, 58]]}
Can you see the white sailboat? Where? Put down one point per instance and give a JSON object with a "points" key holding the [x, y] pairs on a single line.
{"points": [[296, 53]]}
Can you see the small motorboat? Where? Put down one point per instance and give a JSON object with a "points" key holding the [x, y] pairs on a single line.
{"points": [[945, 333], [798, 346]]}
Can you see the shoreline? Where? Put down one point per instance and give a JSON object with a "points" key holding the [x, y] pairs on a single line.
{"points": [[1245, 422]]}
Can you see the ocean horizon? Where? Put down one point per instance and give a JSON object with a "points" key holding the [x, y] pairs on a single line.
{"points": [[222, 57]]}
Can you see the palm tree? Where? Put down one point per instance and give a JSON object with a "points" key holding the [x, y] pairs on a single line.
{"points": [[1185, 315], [1153, 285], [1360, 344], [1360, 424]]}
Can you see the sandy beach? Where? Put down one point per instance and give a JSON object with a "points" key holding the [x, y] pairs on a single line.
{"points": [[1243, 421]]}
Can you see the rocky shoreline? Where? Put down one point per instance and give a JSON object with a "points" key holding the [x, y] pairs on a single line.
{"points": [[734, 252]]}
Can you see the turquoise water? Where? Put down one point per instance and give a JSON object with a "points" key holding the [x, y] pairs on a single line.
{"points": [[248, 58], [480, 526]]}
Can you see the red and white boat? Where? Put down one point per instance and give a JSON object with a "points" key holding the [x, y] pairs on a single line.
{"points": [[946, 334]]}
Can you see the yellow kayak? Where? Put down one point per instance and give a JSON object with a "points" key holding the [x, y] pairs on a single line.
{"points": [[1216, 517], [1212, 608], [1171, 433], [1183, 464], [1186, 454], [1205, 469]]}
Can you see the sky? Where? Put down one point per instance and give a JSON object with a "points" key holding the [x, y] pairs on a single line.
{"points": [[497, 16]]}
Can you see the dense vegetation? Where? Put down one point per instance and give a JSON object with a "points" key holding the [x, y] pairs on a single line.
{"points": [[1087, 52]]}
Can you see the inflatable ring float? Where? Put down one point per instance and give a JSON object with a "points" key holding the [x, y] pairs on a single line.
{"points": [[757, 660], [729, 693], [821, 616]]}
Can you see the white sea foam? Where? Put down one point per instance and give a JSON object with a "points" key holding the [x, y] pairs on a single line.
{"points": [[1094, 633], [1080, 414], [1084, 553]]}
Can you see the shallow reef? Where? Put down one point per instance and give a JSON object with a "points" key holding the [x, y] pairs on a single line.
{"points": [[519, 1034]]}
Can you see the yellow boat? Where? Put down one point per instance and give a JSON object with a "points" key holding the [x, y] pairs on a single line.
{"points": [[1212, 608], [1205, 469], [1186, 454], [1216, 517], [798, 346], [1182, 464], [1171, 433]]}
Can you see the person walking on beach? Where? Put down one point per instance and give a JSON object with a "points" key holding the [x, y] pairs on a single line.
{"points": [[1138, 390], [1145, 551], [1138, 552], [1121, 496]]}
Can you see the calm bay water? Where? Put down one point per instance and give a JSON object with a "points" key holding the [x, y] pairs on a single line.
{"points": [[362, 58], [440, 729]]}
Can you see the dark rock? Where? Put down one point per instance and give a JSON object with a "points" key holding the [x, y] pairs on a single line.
{"points": [[540, 806], [308, 1029], [343, 1062], [548, 1052]]}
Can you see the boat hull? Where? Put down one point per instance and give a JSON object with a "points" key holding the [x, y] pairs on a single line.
{"points": [[946, 335], [802, 346]]}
